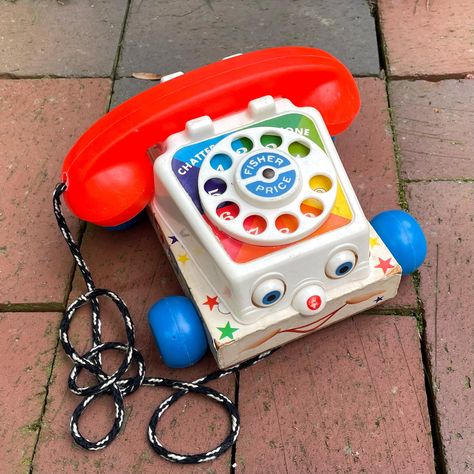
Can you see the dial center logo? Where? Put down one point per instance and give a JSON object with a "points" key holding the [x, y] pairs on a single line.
{"points": [[268, 175]]}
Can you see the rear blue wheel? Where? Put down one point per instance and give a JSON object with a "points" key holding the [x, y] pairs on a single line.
{"points": [[126, 225], [403, 236]]}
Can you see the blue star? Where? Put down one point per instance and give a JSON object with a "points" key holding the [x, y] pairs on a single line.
{"points": [[378, 299], [173, 239]]}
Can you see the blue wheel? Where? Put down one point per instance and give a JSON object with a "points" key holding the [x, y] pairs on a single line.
{"points": [[126, 225], [403, 236], [178, 331]]}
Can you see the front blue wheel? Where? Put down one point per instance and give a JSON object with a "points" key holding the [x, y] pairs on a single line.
{"points": [[403, 236], [178, 331]]}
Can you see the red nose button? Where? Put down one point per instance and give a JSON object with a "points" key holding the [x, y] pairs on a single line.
{"points": [[313, 302], [309, 300]]}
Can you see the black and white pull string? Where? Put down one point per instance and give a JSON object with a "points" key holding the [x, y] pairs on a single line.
{"points": [[114, 384]]}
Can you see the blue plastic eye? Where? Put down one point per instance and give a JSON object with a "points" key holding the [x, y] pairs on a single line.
{"points": [[268, 292], [344, 268], [341, 264], [271, 297]]}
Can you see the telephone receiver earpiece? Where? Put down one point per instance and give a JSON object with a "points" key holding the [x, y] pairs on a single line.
{"points": [[108, 174]]}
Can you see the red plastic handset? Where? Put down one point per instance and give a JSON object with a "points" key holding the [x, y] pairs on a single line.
{"points": [[108, 173]]}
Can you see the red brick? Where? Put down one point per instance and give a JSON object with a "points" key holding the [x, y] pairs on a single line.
{"points": [[40, 120], [433, 122], [366, 150], [348, 399], [406, 296], [428, 37], [132, 264], [446, 211], [27, 344]]}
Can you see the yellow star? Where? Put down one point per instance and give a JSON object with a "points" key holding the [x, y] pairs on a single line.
{"points": [[183, 258], [373, 241]]}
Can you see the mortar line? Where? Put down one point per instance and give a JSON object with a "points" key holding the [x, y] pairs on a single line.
{"points": [[81, 233], [233, 457], [115, 76], [436, 316], [406, 312], [439, 458], [45, 404], [360, 75], [431, 77], [438, 454], [53, 307], [120, 42], [439, 180]]}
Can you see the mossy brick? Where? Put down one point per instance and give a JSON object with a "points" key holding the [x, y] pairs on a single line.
{"points": [[350, 398], [446, 212], [366, 150], [170, 35], [41, 119], [433, 124], [428, 38], [60, 38], [27, 346]]}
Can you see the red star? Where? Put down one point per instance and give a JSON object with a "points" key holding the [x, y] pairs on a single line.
{"points": [[211, 302], [385, 265]]}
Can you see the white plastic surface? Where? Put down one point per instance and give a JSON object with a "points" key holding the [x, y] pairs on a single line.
{"points": [[199, 128], [262, 107], [269, 182], [168, 77], [231, 56], [297, 265]]}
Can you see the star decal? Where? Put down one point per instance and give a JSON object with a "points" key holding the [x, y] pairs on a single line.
{"points": [[378, 299], [173, 239], [227, 331], [373, 241], [211, 302], [183, 258], [385, 265]]}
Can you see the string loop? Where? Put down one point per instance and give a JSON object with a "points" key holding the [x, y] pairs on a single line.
{"points": [[114, 384]]}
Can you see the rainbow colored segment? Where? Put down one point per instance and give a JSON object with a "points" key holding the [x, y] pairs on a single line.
{"points": [[242, 252], [187, 162]]}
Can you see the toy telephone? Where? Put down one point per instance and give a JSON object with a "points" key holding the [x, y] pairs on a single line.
{"points": [[273, 220], [236, 164]]}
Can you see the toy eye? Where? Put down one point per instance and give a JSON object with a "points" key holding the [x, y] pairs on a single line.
{"points": [[268, 292], [341, 264]]}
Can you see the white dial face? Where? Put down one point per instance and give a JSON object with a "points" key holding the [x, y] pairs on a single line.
{"points": [[267, 186]]}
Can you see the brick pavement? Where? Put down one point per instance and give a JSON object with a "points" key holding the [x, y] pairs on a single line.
{"points": [[349, 399]]}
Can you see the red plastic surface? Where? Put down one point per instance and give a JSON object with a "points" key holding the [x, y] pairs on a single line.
{"points": [[108, 173]]}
